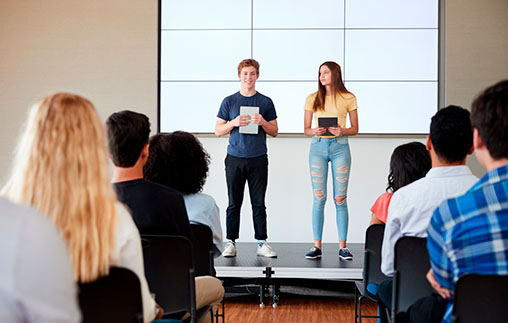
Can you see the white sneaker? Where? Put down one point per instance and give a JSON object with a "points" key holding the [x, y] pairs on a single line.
{"points": [[229, 250], [266, 251]]}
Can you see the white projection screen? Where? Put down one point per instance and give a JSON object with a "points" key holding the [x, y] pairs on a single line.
{"points": [[388, 51]]}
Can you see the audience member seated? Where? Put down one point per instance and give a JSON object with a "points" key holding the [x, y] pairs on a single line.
{"points": [[408, 163], [36, 283], [411, 207], [156, 209], [467, 234], [179, 161], [61, 168]]}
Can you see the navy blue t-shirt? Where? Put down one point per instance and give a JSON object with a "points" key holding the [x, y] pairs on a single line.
{"points": [[246, 145]]}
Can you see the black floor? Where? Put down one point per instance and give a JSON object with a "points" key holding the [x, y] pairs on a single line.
{"points": [[292, 255]]}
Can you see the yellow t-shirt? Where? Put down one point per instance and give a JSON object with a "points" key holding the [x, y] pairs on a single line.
{"points": [[339, 107]]}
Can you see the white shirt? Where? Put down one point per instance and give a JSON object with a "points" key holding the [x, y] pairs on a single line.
{"points": [[129, 254], [202, 209], [412, 206], [36, 276]]}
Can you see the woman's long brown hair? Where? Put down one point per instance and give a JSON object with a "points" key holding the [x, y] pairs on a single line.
{"points": [[337, 86]]}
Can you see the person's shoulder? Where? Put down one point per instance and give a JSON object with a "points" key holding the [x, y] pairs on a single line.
{"points": [[406, 197], [384, 198], [410, 190], [233, 96], [311, 97], [453, 209], [263, 97], [125, 222], [125, 226], [205, 198], [348, 96], [470, 177], [200, 198], [31, 220], [162, 190]]}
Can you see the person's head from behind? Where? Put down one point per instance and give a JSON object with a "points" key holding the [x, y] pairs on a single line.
{"points": [[128, 134], [489, 117], [177, 160], [409, 162], [61, 168], [451, 135]]}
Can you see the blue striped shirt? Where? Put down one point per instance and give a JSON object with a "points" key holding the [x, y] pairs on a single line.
{"points": [[469, 234]]}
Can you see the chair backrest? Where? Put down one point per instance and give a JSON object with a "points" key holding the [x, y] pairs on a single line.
{"points": [[411, 265], [480, 298], [372, 255], [113, 298], [169, 270], [203, 247]]}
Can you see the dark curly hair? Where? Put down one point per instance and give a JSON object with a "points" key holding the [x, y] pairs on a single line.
{"points": [[409, 162], [177, 160]]}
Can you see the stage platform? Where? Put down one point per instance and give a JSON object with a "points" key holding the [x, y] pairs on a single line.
{"points": [[289, 268], [291, 262]]}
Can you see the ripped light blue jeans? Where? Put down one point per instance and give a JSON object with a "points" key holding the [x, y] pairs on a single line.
{"points": [[334, 150]]}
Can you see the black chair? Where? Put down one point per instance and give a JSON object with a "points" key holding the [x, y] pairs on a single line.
{"points": [[371, 268], [203, 256], [113, 298], [203, 247], [411, 265], [480, 298], [169, 270]]}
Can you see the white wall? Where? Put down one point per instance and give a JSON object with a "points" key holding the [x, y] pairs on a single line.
{"points": [[107, 51]]}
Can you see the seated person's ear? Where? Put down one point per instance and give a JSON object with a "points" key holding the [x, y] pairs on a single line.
{"points": [[145, 151], [477, 140], [428, 145]]}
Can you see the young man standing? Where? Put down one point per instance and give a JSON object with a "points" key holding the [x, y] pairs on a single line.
{"points": [[247, 159]]}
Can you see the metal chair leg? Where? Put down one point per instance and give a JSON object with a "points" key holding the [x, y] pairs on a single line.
{"points": [[356, 305]]}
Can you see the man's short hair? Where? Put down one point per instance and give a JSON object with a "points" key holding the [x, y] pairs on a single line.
{"points": [[248, 62], [451, 133], [489, 114], [128, 133]]}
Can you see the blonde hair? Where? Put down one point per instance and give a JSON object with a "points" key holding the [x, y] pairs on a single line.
{"points": [[61, 168]]}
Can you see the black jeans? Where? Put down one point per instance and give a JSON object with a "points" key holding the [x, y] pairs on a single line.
{"points": [[254, 171], [430, 309]]}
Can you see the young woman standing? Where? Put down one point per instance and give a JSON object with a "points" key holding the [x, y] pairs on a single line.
{"points": [[330, 145]]}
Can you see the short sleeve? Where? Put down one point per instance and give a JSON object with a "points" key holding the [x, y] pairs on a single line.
{"points": [[270, 113], [309, 102], [224, 110], [352, 104], [380, 207]]}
